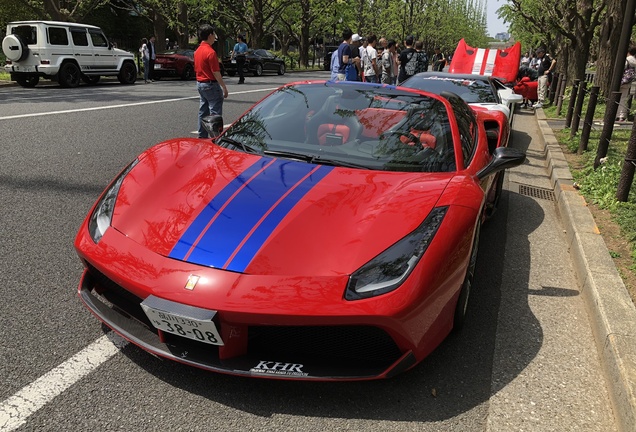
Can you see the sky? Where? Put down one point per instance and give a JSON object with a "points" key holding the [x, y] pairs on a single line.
{"points": [[495, 25]]}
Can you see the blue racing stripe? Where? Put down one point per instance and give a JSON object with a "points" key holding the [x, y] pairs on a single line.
{"points": [[246, 209], [187, 240], [243, 258]]}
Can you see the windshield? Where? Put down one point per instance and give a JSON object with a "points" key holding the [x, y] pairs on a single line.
{"points": [[362, 125], [470, 90]]}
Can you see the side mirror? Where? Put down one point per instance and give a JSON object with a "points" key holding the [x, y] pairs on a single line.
{"points": [[515, 98], [503, 158], [213, 124]]}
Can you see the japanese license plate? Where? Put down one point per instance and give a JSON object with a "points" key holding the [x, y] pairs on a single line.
{"points": [[233, 61], [24, 69], [182, 320], [158, 66]]}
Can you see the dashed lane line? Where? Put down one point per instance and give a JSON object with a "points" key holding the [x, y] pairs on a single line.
{"points": [[15, 410]]}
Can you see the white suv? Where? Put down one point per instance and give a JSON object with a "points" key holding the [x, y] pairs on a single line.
{"points": [[64, 52]]}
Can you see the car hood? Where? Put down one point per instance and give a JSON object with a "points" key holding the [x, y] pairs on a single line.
{"points": [[199, 203], [122, 53]]}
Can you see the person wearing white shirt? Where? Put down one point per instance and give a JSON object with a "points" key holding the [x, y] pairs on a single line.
{"points": [[371, 67]]}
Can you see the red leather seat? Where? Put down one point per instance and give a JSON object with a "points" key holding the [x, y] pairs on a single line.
{"points": [[425, 138]]}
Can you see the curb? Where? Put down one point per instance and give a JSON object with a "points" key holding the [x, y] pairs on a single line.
{"points": [[610, 308]]}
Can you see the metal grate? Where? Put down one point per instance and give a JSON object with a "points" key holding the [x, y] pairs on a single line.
{"points": [[535, 192]]}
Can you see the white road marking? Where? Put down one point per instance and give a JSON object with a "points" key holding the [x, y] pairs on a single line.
{"points": [[16, 409], [19, 116]]}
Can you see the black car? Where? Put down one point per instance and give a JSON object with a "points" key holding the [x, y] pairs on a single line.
{"points": [[257, 62]]}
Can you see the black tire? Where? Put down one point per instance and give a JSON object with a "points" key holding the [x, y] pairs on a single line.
{"points": [[494, 203], [258, 70], [464, 295], [281, 69], [231, 73], [128, 73], [188, 72], [91, 80], [14, 48], [69, 75], [28, 82]]}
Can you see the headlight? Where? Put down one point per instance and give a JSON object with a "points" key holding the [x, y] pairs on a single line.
{"points": [[103, 213], [388, 270]]}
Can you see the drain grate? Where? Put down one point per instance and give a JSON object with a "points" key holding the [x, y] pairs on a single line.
{"points": [[535, 192]]}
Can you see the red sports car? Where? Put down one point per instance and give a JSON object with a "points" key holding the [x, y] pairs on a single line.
{"points": [[330, 233], [175, 63]]}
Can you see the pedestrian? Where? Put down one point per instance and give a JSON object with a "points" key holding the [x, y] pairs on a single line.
{"points": [[335, 66], [152, 56], [371, 64], [344, 54], [439, 60], [238, 55], [422, 58], [145, 58], [396, 62], [408, 60], [353, 72], [544, 70], [629, 73], [387, 63], [525, 60], [210, 85], [534, 61]]}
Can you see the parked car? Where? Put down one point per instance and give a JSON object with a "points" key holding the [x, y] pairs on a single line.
{"points": [[64, 52], [256, 62], [477, 90], [330, 233], [175, 63]]}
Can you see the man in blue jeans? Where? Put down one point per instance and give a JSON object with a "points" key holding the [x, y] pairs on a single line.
{"points": [[238, 54], [212, 89]]}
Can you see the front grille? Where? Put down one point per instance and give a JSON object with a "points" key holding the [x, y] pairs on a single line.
{"points": [[122, 299], [344, 346], [331, 350]]}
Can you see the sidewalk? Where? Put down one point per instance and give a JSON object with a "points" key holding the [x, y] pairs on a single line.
{"points": [[611, 311]]}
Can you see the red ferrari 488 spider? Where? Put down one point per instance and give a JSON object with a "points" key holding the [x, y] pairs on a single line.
{"points": [[330, 233]]}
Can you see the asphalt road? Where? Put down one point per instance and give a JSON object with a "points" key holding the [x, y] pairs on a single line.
{"points": [[525, 361]]}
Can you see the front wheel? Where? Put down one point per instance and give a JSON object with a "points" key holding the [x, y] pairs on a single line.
{"points": [[462, 302], [69, 75], [28, 82], [188, 73], [128, 73], [493, 203], [281, 69], [258, 70]]}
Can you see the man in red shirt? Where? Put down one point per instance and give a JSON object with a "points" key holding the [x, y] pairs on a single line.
{"points": [[210, 83]]}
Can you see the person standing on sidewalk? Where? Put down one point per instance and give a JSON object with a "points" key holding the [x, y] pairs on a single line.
{"points": [[210, 85], [152, 55], [629, 74], [145, 57], [371, 67], [238, 54], [546, 66]]}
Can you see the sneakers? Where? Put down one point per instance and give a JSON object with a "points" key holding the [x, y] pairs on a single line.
{"points": [[537, 105]]}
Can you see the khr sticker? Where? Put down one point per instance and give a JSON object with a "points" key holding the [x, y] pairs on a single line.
{"points": [[277, 368]]}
